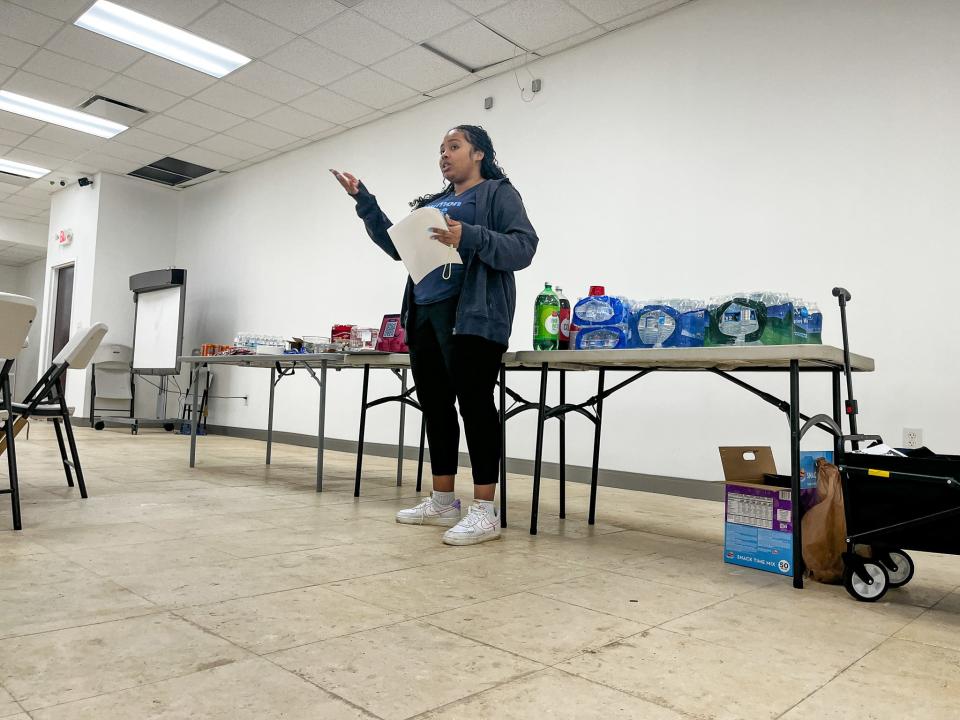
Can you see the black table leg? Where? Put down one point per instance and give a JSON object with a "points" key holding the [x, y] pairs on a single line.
{"points": [[273, 384], [503, 445], [538, 453], [363, 426], [795, 472], [563, 446], [595, 468]]}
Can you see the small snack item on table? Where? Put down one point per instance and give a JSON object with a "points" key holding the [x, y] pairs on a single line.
{"points": [[340, 336], [363, 338]]}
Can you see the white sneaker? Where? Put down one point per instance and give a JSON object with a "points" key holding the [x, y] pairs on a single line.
{"points": [[429, 512], [476, 527]]}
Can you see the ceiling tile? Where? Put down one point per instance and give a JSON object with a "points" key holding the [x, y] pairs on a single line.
{"points": [[478, 7], [74, 138], [328, 105], [52, 148], [262, 135], [414, 19], [420, 69], [23, 24], [204, 115], [296, 145], [311, 62], [474, 45], [453, 87], [226, 145], [570, 42], [139, 94], [60, 9], [408, 103], [175, 129], [33, 157], [19, 123], [372, 89], [10, 137], [603, 11], [5, 72], [240, 31], [296, 15], [169, 75], [358, 38], [271, 82], [375, 115], [535, 23], [149, 141], [42, 88], [15, 52], [330, 132], [66, 69], [130, 153], [29, 202], [207, 158], [650, 11], [294, 122], [507, 65], [8, 188], [93, 48], [175, 12], [99, 161], [235, 99]]}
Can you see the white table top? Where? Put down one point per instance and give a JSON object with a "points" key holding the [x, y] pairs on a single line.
{"points": [[742, 357], [399, 361]]}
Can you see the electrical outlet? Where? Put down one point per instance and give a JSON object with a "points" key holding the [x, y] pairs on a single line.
{"points": [[912, 437]]}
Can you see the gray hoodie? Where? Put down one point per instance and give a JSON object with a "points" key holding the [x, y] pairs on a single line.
{"points": [[501, 242]]}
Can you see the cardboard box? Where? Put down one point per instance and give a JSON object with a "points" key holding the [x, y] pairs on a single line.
{"points": [[758, 529]]}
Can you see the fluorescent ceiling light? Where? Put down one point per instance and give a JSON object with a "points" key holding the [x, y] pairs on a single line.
{"points": [[21, 169], [156, 37], [39, 110]]}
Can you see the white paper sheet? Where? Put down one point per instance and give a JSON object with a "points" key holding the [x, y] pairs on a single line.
{"points": [[419, 252]]}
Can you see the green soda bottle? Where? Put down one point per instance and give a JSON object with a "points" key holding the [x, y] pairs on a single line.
{"points": [[546, 320]]}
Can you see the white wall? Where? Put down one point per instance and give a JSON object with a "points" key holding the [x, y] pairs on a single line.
{"points": [[10, 279], [25, 280], [121, 226], [726, 145], [76, 209], [32, 278]]}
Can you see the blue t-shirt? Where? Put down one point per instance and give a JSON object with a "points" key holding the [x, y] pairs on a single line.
{"points": [[434, 288]]}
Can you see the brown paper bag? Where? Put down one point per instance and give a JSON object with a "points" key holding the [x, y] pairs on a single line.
{"points": [[824, 527]]}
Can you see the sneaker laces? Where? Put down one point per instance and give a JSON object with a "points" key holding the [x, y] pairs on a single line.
{"points": [[473, 516]]}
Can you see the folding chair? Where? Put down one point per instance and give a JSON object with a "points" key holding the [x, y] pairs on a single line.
{"points": [[46, 399], [16, 315]]}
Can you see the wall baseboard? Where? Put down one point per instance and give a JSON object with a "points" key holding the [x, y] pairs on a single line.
{"points": [[664, 485]]}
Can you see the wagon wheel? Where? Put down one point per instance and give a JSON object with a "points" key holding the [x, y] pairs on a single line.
{"points": [[899, 567], [868, 583]]}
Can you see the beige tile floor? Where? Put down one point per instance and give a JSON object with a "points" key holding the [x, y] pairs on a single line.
{"points": [[234, 591]]}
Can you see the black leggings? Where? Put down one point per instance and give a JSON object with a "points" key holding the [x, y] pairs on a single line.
{"points": [[462, 368]]}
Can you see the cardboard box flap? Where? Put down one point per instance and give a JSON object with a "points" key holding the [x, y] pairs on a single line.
{"points": [[747, 464]]}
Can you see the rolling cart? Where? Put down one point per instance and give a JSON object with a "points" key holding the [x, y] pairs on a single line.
{"points": [[891, 504]]}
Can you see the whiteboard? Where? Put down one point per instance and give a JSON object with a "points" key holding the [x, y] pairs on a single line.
{"points": [[156, 340]]}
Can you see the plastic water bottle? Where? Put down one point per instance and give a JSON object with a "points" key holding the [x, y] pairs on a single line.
{"points": [[546, 320], [564, 335]]}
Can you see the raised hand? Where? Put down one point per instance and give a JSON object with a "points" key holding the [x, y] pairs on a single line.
{"points": [[348, 181]]}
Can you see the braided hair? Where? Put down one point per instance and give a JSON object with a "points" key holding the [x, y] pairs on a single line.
{"points": [[489, 167]]}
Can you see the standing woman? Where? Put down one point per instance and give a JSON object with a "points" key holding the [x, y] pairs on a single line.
{"points": [[458, 321]]}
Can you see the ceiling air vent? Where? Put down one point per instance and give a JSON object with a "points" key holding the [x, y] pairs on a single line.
{"points": [[114, 110], [170, 171]]}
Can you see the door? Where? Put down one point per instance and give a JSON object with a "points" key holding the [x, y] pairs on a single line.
{"points": [[61, 314]]}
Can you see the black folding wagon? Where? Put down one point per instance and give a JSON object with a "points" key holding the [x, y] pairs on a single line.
{"points": [[894, 504], [891, 503]]}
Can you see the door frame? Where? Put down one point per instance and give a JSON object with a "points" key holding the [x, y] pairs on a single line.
{"points": [[46, 354]]}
